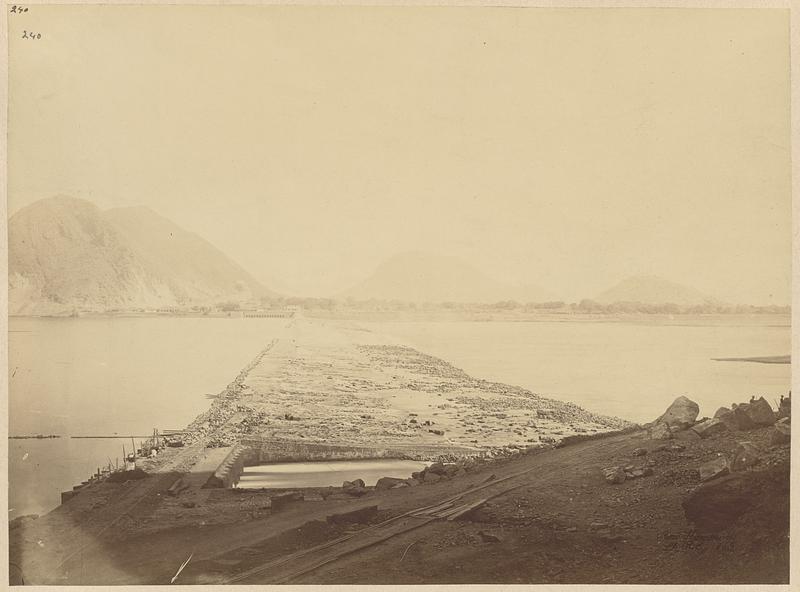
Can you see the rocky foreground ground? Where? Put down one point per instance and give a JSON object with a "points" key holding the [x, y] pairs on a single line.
{"points": [[682, 500]]}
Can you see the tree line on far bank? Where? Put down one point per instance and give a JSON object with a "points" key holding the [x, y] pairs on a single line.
{"points": [[585, 306]]}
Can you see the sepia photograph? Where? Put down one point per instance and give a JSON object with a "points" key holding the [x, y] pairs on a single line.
{"points": [[398, 295]]}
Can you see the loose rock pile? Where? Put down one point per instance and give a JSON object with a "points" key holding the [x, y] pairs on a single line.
{"points": [[682, 414], [215, 427], [679, 422]]}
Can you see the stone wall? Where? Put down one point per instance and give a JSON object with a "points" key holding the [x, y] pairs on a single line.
{"points": [[277, 451], [255, 451]]}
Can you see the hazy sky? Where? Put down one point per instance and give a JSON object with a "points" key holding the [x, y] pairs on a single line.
{"points": [[568, 148]]}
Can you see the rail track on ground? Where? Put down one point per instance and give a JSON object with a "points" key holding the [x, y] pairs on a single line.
{"points": [[289, 567]]}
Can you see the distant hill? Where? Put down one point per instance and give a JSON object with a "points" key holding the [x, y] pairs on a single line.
{"points": [[423, 277], [66, 253], [649, 289]]}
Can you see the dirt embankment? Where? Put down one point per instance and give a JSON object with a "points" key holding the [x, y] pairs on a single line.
{"points": [[624, 508], [548, 516]]}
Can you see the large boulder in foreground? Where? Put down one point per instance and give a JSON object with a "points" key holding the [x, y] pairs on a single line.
{"points": [[736, 419], [660, 431], [760, 412], [682, 413], [388, 483], [746, 455], [709, 427], [714, 468], [721, 411], [718, 505]]}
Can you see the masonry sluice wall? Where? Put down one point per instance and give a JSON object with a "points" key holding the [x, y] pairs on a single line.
{"points": [[253, 452]]}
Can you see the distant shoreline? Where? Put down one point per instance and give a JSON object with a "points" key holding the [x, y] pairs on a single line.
{"points": [[427, 315], [759, 360]]}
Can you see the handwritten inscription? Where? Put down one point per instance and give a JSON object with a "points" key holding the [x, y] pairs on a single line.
{"points": [[18, 9], [31, 35]]}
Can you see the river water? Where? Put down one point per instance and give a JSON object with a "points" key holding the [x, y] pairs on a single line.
{"points": [[106, 376], [326, 474], [128, 375], [632, 368]]}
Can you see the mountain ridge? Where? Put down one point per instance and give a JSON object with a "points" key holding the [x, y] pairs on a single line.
{"points": [[65, 253], [416, 276], [652, 289]]}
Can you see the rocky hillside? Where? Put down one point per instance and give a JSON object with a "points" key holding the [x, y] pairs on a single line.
{"points": [[649, 289], [66, 254], [423, 277]]}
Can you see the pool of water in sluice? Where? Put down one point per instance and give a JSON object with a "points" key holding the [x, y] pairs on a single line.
{"points": [[326, 473]]}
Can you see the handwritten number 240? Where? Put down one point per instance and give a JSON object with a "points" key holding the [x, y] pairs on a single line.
{"points": [[31, 35]]}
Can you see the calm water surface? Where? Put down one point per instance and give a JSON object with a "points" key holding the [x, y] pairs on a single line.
{"points": [[326, 474], [632, 369]]}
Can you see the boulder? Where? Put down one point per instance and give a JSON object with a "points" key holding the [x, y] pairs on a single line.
{"points": [[716, 506], [737, 419], [681, 413], [714, 468], [432, 477], [719, 504], [686, 435], [746, 455], [660, 431], [388, 483], [781, 434], [614, 475], [709, 427], [358, 483], [721, 411], [451, 470], [413, 482], [437, 468], [760, 412]]}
